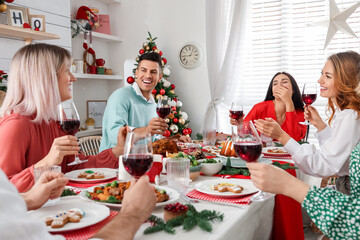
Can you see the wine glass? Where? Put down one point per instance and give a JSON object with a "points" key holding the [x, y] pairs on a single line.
{"points": [[248, 146], [308, 96], [138, 154], [163, 108], [236, 111], [69, 122]]}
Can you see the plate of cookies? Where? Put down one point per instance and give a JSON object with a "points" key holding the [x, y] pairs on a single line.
{"points": [[70, 214], [226, 187], [89, 175], [275, 151]]}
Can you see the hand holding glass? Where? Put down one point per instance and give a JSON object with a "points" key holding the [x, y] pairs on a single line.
{"points": [[138, 155], [41, 170], [236, 110], [308, 96], [248, 146], [163, 108]]}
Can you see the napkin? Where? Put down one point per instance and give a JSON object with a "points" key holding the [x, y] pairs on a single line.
{"points": [[245, 200]]}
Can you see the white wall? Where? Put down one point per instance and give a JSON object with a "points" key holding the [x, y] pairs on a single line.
{"points": [[174, 23]]}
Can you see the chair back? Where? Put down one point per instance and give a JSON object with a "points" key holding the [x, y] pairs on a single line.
{"points": [[90, 145]]}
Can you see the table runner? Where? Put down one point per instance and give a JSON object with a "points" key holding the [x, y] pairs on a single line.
{"points": [[88, 232]]}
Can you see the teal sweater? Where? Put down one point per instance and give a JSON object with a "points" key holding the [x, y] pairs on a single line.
{"points": [[124, 107]]}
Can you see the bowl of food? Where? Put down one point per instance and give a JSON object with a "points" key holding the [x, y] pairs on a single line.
{"points": [[211, 167]]}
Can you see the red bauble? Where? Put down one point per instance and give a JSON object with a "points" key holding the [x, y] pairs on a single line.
{"points": [[175, 120], [154, 48], [164, 60], [185, 131], [162, 91], [175, 99], [9, 1], [172, 86], [173, 108], [141, 51], [160, 53], [167, 133], [130, 80], [189, 130], [154, 91]]}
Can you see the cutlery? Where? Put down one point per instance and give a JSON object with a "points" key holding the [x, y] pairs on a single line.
{"points": [[189, 200]]}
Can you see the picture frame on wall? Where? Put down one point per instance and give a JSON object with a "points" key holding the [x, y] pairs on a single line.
{"points": [[95, 110], [16, 16], [37, 21]]}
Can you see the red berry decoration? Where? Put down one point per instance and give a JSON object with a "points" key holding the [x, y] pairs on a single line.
{"points": [[154, 48], [185, 131], [176, 207], [141, 51], [173, 87], [162, 91], [160, 53], [189, 130], [164, 60], [130, 80], [167, 133], [154, 91]]}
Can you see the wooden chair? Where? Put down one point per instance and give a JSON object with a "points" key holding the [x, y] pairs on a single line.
{"points": [[90, 145]]}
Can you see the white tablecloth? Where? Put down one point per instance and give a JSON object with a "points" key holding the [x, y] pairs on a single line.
{"points": [[252, 221]]}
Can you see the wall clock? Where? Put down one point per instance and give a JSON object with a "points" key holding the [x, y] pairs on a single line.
{"points": [[190, 55]]}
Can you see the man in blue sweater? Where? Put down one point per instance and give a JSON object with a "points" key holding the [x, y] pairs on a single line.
{"points": [[134, 105]]}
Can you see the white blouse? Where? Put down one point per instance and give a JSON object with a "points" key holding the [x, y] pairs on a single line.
{"points": [[336, 144]]}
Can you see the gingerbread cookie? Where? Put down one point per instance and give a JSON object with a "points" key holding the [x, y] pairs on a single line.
{"points": [[61, 218], [227, 187], [91, 175]]}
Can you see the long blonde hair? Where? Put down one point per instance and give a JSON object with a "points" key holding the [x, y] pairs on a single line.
{"points": [[347, 82], [33, 81]]}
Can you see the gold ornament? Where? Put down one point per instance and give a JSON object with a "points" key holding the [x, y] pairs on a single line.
{"points": [[137, 59], [172, 92], [171, 116], [3, 7], [158, 96], [157, 50], [182, 121], [147, 48], [167, 120]]}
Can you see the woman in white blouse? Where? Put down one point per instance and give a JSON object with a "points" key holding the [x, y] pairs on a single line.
{"points": [[339, 83]]}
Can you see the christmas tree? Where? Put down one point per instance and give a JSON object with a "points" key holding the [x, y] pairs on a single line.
{"points": [[177, 119]]}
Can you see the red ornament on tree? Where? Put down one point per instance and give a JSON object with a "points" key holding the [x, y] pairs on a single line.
{"points": [[154, 48], [173, 87], [162, 91], [175, 120], [141, 51], [130, 80], [189, 130], [175, 99], [160, 53], [154, 91], [9, 1], [167, 133], [164, 60], [185, 131], [173, 108]]}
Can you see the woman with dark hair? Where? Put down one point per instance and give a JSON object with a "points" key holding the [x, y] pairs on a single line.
{"points": [[282, 103]]}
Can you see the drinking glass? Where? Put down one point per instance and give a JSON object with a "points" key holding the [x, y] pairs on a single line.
{"points": [[69, 122], [163, 108], [236, 110], [39, 171], [178, 173], [138, 154], [209, 137], [248, 146], [308, 96]]}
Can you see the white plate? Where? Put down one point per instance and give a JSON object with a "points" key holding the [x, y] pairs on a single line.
{"points": [[266, 152], [173, 196], [94, 213], [109, 173], [239, 163], [205, 187]]}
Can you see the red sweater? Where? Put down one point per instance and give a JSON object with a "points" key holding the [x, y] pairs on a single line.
{"points": [[291, 124], [24, 143]]}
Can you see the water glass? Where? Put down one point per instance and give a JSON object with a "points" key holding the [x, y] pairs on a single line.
{"points": [[39, 171], [209, 137], [178, 173]]}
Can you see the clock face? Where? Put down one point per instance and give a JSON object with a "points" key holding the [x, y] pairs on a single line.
{"points": [[190, 56]]}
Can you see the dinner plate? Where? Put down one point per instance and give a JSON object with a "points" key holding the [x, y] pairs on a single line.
{"points": [[266, 152], [109, 173], [173, 196], [205, 187], [94, 213]]}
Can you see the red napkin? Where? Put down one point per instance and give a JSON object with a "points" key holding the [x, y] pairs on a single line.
{"points": [[201, 196]]}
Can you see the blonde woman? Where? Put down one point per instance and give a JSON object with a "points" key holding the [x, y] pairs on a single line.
{"points": [[336, 214], [40, 79]]}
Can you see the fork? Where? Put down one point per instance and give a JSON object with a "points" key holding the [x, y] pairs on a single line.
{"points": [[189, 200]]}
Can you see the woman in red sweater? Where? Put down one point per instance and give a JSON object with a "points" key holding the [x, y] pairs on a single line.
{"points": [[282, 103], [39, 80]]}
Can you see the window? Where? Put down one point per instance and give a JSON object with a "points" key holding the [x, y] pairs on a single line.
{"points": [[278, 38]]}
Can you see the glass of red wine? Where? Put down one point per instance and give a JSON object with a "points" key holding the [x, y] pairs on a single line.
{"points": [[69, 122], [308, 96], [138, 154], [248, 146], [236, 110], [163, 108]]}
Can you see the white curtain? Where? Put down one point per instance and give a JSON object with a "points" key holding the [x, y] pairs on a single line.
{"points": [[225, 27]]}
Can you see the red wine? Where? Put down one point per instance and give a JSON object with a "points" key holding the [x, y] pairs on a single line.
{"points": [[248, 151], [308, 99], [163, 112], [70, 126], [137, 164], [236, 114]]}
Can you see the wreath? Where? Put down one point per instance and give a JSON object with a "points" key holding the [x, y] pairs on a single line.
{"points": [[85, 57]]}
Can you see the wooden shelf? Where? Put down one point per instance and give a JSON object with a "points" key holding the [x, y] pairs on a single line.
{"points": [[27, 34], [105, 37], [84, 133], [98, 76], [110, 1]]}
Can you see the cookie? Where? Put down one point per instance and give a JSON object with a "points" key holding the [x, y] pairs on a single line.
{"points": [[98, 175], [227, 187], [58, 223]]}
